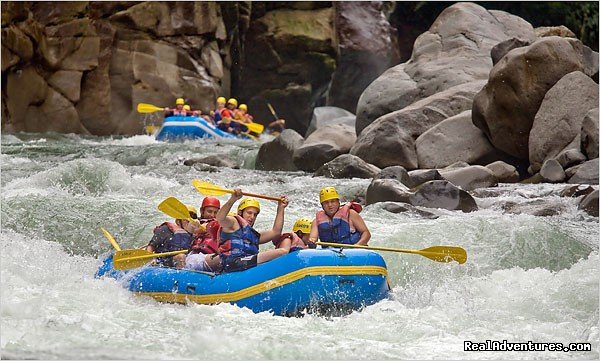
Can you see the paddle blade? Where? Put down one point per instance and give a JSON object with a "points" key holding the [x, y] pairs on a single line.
{"points": [[111, 239], [209, 189], [174, 208], [148, 108], [445, 254], [255, 127]]}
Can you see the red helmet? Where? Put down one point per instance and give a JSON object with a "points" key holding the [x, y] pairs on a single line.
{"points": [[210, 202]]}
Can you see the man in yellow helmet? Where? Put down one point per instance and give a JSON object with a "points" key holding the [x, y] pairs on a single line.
{"points": [[338, 223], [178, 110], [216, 114], [299, 237], [239, 241]]}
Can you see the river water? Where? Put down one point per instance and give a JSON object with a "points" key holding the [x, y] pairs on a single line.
{"points": [[527, 278]]}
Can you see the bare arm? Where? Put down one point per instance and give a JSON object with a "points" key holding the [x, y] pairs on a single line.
{"points": [[314, 232], [275, 232], [361, 227], [227, 222]]}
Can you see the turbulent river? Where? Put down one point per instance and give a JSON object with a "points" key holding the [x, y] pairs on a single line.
{"points": [[527, 278]]}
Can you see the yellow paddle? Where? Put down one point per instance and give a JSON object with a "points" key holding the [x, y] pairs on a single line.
{"points": [[272, 111], [133, 258], [253, 127], [442, 254], [173, 207], [209, 189], [148, 108], [111, 239]]}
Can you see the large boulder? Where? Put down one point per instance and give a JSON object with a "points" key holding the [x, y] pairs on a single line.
{"points": [[396, 132], [55, 114], [347, 166], [460, 140], [324, 145], [278, 153], [325, 116], [557, 123], [455, 50], [552, 171], [586, 173], [395, 172], [503, 112], [68, 83], [443, 194], [471, 177], [383, 190], [589, 134], [589, 204], [367, 47], [504, 172], [420, 176], [19, 97]]}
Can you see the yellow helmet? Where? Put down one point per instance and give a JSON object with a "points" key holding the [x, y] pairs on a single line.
{"points": [[179, 101], [243, 107], [232, 101], [248, 202], [186, 107], [328, 193], [192, 209], [302, 224], [221, 100]]}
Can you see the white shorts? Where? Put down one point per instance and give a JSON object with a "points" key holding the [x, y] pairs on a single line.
{"points": [[195, 261]]}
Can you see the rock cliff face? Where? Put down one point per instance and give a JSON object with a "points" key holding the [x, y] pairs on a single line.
{"points": [[83, 67]]}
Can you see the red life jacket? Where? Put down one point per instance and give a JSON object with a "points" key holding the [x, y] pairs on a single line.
{"points": [[206, 242]]}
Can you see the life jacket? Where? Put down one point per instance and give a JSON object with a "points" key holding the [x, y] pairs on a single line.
{"points": [[243, 242], [170, 237], [297, 242], [337, 229], [206, 242]]}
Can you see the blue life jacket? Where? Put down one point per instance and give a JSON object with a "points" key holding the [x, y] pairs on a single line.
{"points": [[240, 243], [337, 229], [170, 237]]}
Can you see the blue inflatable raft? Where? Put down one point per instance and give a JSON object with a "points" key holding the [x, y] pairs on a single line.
{"points": [[181, 128], [313, 280]]}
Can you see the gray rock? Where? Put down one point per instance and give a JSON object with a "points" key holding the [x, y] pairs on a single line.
{"points": [[570, 157], [420, 176], [589, 134], [460, 140], [68, 83], [324, 145], [502, 48], [347, 166], [382, 190], [395, 132], [558, 121], [576, 191], [395, 207], [221, 160], [395, 172], [505, 173], [325, 116], [278, 153], [590, 204], [587, 173], [455, 50], [443, 194], [501, 110], [471, 177], [538, 207], [552, 171]]}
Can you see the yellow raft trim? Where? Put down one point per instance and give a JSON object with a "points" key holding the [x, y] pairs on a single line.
{"points": [[267, 285]]}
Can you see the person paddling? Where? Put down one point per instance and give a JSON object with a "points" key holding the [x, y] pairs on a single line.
{"points": [[176, 236], [338, 223], [178, 110], [204, 242], [239, 241]]}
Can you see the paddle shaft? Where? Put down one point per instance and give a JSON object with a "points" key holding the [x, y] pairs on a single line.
{"points": [[111, 239], [155, 255], [272, 111]]}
